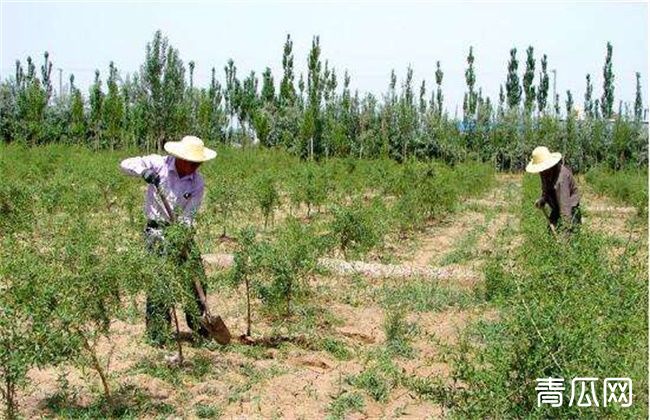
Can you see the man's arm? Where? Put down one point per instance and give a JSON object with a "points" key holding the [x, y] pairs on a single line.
{"points": [[136, 166]]}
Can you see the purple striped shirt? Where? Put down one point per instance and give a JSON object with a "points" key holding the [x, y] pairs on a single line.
{"points": [[183, 194]]}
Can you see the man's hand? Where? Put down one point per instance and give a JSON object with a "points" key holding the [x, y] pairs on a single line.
{"points": [[540, 203], [151, 177]]}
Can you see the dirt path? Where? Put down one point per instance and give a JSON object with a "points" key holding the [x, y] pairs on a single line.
{"points": [[464, 241]]}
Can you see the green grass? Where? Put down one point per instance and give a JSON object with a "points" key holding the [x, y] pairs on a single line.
{"points": [[373, 382], [336, 348], [128, 401], [251, 375], [565, 312], [65, 210], [399, 333], [207, 411], [629, 186], [425, 295], [465, 247], [345, 403]]}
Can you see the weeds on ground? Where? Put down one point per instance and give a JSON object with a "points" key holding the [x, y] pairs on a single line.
{"points": [[629, 186], [344, 404], [565, 313]]}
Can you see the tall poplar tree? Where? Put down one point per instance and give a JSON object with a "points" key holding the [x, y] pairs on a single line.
{"points": [[569, 103], [589, 105], [268, 88], [513, 88], [529, 75], [607, 100], [77, 126], [287, 89], [439, 97], [113, 109], [312, 123], [469, 105], [638, 100], [96, 105], [542, 90], [232, 91], [423, 102], [162, 80]]}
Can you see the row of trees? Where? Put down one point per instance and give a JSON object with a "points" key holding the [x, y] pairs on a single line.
{"points": [[319, 116]]}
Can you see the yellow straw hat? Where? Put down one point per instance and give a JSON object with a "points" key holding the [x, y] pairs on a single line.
{"points": [[190, 148], [542, 159]]}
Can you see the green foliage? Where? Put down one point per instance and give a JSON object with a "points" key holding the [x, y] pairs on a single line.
{"points": [[372, 382], [638, 99], [607, 100], [246, 265], [69, 266], [310, 186], [398, 332], [567, 309], [471, 97], [336, 348], [529, 75], [288, 262], [628, 186], [344, 403], [225, 200], [322, 118], [355, 228], [267, 197], [426, 295], [513, 88], [207, 411]]}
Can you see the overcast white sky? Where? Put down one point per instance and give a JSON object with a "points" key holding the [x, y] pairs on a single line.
{"points": [[369, 39]]}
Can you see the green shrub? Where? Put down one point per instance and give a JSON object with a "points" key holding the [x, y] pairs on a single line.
{"points": [[355, 228], [629, 186], [567, 309], [267, 197]]}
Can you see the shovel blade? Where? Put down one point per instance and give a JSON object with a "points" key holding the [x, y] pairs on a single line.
{"points": [[216, 329]]}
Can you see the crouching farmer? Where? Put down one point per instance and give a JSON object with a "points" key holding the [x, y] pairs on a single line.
{"points": [[177, 179], [559, 189]]}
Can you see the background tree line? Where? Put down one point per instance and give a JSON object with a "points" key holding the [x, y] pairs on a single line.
{"points": [[319, 116]]}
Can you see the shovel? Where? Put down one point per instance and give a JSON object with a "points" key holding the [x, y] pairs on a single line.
{"points": [[214, 325]]}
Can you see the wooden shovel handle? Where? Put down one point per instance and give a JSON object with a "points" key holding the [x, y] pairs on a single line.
{"points": [[168, 208], [172, 218], [201, 293]]}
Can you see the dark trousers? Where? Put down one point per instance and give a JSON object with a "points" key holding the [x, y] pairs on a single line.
{"points": [[158, 311], [569, 225]]}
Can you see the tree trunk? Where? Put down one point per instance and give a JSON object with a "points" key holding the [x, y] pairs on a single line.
{"points": [[98, 367], [9, 395], [248, 308], [178, 337]]}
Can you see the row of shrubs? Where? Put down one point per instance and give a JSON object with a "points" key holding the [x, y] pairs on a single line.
{"points": [[569, 308], [72, 259], [629, 186]]}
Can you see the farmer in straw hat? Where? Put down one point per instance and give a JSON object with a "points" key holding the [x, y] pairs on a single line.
{"points": [[177, 178], [559, 189]]}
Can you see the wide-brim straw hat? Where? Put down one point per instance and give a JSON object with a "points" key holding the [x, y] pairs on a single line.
{"points": [[190, 148], [542, 159]]}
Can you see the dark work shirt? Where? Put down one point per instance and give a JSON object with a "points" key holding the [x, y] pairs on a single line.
{"points": [[561, 194]]}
